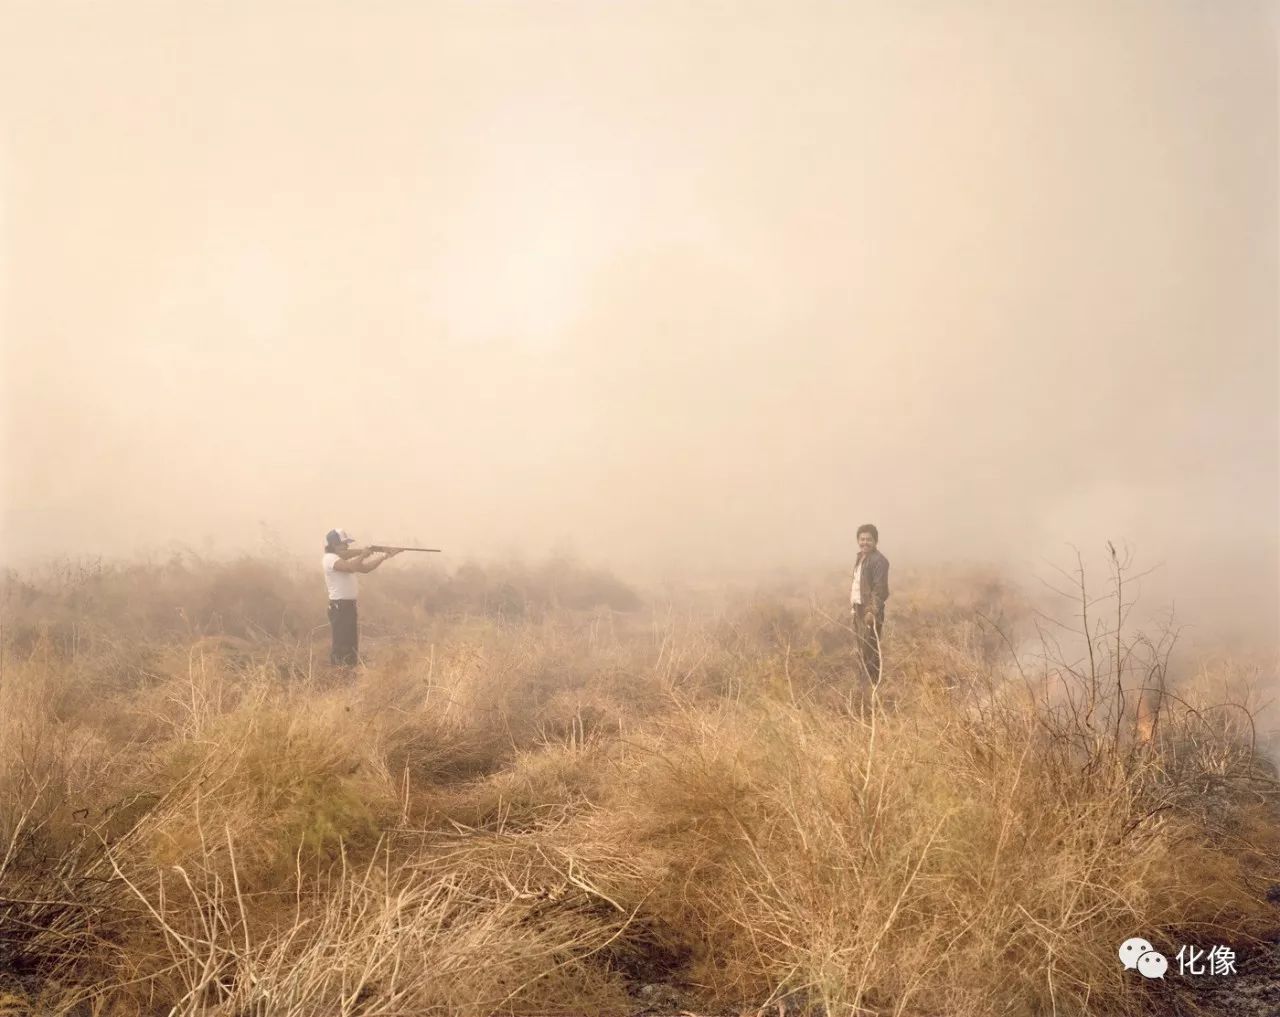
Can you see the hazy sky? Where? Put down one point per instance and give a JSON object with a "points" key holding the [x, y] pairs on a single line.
{"points": [[670, 284]]}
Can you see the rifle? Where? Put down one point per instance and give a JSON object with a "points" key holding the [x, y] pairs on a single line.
{"points": [[387, 547]]}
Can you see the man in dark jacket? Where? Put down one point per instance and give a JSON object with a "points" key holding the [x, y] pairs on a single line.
{"points": [[870, 591]]}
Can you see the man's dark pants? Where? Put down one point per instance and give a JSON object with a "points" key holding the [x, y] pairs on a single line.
{"points": [[342, 620], [869, 646]]}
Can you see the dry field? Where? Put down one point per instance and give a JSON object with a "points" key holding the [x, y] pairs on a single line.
{"points": [[548, 793]]}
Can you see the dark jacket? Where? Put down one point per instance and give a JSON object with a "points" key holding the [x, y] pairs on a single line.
{"points": [[873, 588]]}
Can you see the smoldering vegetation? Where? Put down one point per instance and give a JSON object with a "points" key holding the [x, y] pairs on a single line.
{"points": [[550, 792]]}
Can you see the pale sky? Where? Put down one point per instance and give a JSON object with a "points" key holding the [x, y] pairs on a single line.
{"points": [[673, 285]]}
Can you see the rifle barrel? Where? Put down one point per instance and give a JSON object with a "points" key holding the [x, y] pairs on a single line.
{"points": [[388, 547]]}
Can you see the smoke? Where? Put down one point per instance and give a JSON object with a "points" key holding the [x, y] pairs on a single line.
{"points": [[680, 288]]}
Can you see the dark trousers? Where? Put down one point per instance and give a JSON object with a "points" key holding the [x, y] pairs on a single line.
{"points": [[869, 645], [346, 637]]}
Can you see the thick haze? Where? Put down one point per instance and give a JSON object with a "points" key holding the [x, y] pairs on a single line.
{"points": [[671, 285]]}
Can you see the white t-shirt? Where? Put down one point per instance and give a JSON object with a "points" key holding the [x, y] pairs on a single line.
{"points": [[342, 585], [855, 595]]}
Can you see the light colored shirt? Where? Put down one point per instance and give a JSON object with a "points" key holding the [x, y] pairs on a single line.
{"points": [[855, 595], [342, 585]]}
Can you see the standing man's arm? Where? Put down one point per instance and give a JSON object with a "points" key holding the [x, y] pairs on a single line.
{"points": [[353, 564], [369, 566], [359, 561], [880, 584]]}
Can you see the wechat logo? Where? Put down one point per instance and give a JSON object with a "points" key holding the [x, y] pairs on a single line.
{"points": [[1137, 954]]}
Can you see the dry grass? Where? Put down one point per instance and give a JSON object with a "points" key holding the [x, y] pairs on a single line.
{"points": [[540, 810]]}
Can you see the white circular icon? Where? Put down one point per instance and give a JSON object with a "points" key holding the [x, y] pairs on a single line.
{"points": [[1152, 965], [1131, 950]]}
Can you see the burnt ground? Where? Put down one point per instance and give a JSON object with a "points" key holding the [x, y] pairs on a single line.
{"points": [[1254, 991]]}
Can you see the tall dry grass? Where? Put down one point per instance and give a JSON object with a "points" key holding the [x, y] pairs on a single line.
{"points": [[543, 810]]}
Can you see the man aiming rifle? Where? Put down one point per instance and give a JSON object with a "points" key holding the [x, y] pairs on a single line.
{"points": [[342, 563]]}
